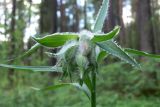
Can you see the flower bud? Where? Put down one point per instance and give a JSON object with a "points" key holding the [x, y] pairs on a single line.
{"points": [[82, 61], [86, 35], [84, 47]]}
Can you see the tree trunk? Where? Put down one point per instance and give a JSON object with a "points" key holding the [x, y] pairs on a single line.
{"points": [[48, 21], [144, 25], [5, 19], [85, 15], [54, 25], [115, 18], [146, 37], [12, 39], [76, 13], [63, 27], [155, 24]]}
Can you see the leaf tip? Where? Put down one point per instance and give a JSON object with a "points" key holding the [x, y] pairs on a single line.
{"points": [[34, 88]]}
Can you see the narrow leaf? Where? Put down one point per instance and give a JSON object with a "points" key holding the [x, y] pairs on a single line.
{"points": [[83, 88], [34, 68], [67, 46], [108, 36], [87, 81], [56, 39], [27, 53], [101, 16], [101, 56], [31, 50], [113, 49], [54, 87], [141, 53]]}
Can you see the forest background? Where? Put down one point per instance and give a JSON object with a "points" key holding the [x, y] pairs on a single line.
{"points": [[119, 84]]}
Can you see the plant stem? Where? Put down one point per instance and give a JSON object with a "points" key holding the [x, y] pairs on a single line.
{"points": [[93, 93]]}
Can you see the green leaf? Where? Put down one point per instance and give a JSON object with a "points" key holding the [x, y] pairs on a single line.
{"points": [[56, 39], [113, 49], [34, 68], [141, 53], [108, 36], [103, 11], [101, 56], [87, 80], [54, 87], [31, 50], [27, 53], [66, 47], [83, 88]]}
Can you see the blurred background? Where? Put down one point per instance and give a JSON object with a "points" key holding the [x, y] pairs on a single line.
{"points": [[118, 85]]}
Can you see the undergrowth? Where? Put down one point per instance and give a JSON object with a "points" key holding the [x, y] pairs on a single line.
{"points": [[123, 88]]}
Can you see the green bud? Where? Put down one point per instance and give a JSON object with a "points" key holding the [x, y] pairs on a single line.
{"points": [[82, 61], [84, 47], [70, 54], [86, 35]]}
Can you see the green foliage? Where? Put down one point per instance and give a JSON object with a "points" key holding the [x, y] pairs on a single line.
{"points": [[34, 68], [101, 16], [80, 55], [141, 53], [101, 56], [55, 40], [105, 37], [31, 50], [117, 51], [123, 87]]}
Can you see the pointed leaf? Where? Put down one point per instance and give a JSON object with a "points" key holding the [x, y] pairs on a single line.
{"points": [[56, 39], [101, 56], [108, 36], [34, 68], [141, 53], [66, 47], [103, 11], [87, 81], [31, 50], [27, 53], [113, 49], [53, 87], [83, 88]]}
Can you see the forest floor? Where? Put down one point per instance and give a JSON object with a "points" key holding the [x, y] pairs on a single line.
{"points": [[116, 88]]}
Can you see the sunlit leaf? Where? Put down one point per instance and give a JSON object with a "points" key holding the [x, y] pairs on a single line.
{"points": [[108, 36], [56, 39], [103, 11], [141, 53], [34, 68], [113, 49]]}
